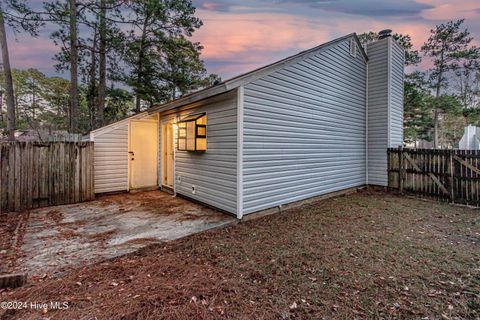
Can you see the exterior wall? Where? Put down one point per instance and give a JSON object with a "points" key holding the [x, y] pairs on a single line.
{"points": [[305, 129], [385, 106], [214, 172], [111, 159], [396, 95], [378, 75], [470, 139], [111, 155]]}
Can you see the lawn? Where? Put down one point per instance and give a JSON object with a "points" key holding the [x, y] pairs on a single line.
{"points": [[365, 255]]}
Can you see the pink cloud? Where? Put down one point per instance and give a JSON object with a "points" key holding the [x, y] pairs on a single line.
{"points": [[247, 37], [225, 35], [251, 40], [448, 10], [211, 6]]}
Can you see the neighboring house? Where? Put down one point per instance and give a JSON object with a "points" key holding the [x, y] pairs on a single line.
{"points": [[314, 123], [470, 139]]}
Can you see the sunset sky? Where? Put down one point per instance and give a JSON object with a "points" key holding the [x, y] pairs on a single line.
{"points": [[240, 35]]}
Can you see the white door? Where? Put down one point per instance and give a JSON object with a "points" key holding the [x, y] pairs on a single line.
{"points": [[143, 154], [167, 155]]}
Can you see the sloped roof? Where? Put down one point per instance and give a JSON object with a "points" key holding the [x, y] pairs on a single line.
{"points": [[118, 123], [248, 77]]}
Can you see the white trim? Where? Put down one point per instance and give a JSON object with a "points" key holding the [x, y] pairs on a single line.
{"points": [[162, 128], [129, 147], [175, 137], [389, 87], [160, 158], [159, 152], [240, 99], [366, 125], [128, 157], [162, 153], [119, 123]]}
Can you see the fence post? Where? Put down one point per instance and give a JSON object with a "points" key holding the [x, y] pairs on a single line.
{"points": [[452, 173], [401, 169]]}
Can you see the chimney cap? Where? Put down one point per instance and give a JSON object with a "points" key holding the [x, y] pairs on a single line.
{"points": [[385, 34]]}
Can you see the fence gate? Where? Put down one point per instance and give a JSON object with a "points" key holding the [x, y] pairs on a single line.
{"points": [[448, 175], [35, 174]]}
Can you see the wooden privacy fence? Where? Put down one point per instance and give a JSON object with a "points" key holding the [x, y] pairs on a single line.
{"points": [[449, 175], [35, 174]]}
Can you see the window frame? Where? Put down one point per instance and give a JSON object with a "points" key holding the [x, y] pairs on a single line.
{"points": [[191, 118]]}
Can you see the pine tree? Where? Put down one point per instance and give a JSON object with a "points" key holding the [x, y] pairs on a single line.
{"points": [[156, 71], [96, 49], [418, 121], [447, 44], [19, 17]]}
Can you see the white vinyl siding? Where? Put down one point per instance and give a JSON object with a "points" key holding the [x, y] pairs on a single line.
{"points": [[377, 112], [213, 172], [385, 106], [111, 159], [111, 154], [304, 129], [396, 96]]}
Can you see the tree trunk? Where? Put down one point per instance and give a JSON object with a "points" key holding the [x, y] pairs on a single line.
{"points": [[102, 85], [140, 62], [8, 81], [137, 104], [34, 101], [92, 87], [435, 128], [73, 68], [436, 116], [436, 112]]}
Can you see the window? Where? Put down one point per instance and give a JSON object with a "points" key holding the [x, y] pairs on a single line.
{"points": [[353, 48], [192, 133]]}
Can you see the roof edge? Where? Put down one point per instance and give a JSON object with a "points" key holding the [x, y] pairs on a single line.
{"points": [[113, 124], [362, 49]]}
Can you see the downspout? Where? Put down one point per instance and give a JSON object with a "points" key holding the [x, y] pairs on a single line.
{"points": [[366, 124], [177, 118], [389, 88], [240, 102]]}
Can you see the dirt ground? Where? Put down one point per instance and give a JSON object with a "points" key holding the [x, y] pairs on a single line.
{"points": [[369, 255], [47, 242], [12, 226]]}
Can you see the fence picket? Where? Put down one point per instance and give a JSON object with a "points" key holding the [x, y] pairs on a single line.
{"points": [[37, 174], [451, 175]]}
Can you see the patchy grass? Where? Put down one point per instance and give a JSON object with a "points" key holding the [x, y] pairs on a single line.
{"points": [[366, 255]]}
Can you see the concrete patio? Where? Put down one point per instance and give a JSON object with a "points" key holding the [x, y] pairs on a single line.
{"points": [[53, 240]]}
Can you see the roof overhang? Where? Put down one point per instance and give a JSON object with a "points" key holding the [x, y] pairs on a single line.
{"points": [[118, 123]]}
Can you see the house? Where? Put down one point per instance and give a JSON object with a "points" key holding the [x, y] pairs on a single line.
{"points": [[420, 144], [311, 124], [470, 139]]}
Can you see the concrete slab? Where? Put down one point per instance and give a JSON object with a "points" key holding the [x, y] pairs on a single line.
{"points": [[60, 238]]}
